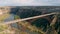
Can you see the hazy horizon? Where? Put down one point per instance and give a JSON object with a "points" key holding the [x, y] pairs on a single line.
{"points": [[29, 2]]}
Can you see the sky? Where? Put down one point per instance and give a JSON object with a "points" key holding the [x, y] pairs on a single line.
{"points": [[29, 2]]}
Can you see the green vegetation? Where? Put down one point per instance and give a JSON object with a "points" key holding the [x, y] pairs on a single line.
{"points": [[16, 17]]}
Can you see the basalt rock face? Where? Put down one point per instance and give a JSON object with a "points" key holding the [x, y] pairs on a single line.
{"points": [[30, 12]]}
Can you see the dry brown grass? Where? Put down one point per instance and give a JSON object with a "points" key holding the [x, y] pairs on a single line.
{"points": [[2, 17]]}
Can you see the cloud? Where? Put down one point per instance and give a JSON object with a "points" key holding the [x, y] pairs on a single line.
{"points": [[30, 3]]}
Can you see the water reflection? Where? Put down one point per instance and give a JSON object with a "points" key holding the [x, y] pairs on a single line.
{"points": [[10, 18]]}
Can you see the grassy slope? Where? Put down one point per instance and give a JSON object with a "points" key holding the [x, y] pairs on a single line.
{"points": [[2, 17]]}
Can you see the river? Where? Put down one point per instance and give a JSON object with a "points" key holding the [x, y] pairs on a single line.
{"points": [[10, 18]]}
